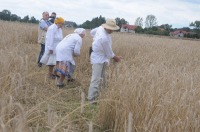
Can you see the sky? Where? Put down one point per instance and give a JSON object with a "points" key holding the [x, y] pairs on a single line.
{"points": [[178, 13]]}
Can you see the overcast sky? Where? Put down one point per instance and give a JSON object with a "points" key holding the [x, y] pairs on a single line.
{"points": [[179, 13]]}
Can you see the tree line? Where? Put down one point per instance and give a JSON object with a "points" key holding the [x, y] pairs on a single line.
{"points": [[97, 21], [149, 26], [8, 16]]}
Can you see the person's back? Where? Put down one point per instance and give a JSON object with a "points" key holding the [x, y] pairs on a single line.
{"points": [[67, 46], [101, 46], [53, 37]]}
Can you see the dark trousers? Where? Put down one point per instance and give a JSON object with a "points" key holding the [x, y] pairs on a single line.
{"points": [[41, 53]]}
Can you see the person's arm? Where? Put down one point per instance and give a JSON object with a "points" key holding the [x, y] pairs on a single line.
{"points": [[43, 25], [93, 32], [77, 47], [45, 28], [108, 51]]}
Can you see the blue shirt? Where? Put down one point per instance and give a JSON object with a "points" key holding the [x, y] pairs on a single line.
{"points": [[44, 23]]}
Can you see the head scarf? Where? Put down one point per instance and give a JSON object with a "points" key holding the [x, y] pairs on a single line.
{"points": [[80, 31], [59, 20]]}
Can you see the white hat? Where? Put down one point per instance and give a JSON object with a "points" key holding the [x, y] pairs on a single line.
{"points": [[80, 31], [110, 24]]}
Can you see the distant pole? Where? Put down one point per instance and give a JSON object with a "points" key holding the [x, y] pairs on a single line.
{"points": [[82, 101], [90, 126], [130, 122]]}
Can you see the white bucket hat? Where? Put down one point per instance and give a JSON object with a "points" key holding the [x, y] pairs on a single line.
{"points": [[110, 24]]}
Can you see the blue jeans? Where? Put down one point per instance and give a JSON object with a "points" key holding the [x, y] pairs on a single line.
{"points": [[41, 53]]}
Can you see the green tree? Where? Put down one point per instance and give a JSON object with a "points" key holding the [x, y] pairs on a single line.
{"points": [[14, 17], [195, 24], [25, 19], [196, 28], [95, 22], [150, 21], [5, 15], [192, 24], [101, 20], [139, 22], [74, 25], [139, 29], [33, 20], [1, 16], [167, 27], [86, 24], [120, 22]]}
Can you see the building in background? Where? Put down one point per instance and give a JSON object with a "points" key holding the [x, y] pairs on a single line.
{"points": [[70, 24], [128, 28], [179, 33]]}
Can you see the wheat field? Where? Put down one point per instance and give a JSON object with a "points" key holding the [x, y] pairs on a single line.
{"points": [[155, 88]]}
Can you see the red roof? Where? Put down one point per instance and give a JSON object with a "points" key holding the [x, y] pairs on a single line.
{"points": [[179, 31], [130, 27]]}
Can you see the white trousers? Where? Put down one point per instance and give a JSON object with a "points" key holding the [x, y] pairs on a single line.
{"points": [[98, 80]]}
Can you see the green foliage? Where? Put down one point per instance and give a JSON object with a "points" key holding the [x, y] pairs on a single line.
{"points": [[186, 29], [166, 27], [120, 21], [192, 35], [25, 19], [196, 28], [7, 16], [150, 21], [97, 21], [33, 20], [156, 31], [74, 24], [195, 24], [14, 17], [139, 22], [139, 29]]}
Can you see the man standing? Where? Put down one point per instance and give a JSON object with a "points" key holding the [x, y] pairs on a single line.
{"points": [[52, 17], [43, 26], [100, 56]]}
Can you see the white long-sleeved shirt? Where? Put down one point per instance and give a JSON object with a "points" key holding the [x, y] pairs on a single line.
{"points": [[93, 32], [68, 47], [101, 46], [53, 37]]}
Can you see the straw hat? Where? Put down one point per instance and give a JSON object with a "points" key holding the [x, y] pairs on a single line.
{"points": [[59, 20], [110, 24]]}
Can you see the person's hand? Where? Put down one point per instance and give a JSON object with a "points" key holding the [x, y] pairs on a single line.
{"points": [[75, 55], [117, 58], [50, 51]]}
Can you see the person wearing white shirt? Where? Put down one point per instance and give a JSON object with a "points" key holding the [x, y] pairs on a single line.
{"points": [[68, 48], [53, 37], [100, 56], [93, 32]]}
